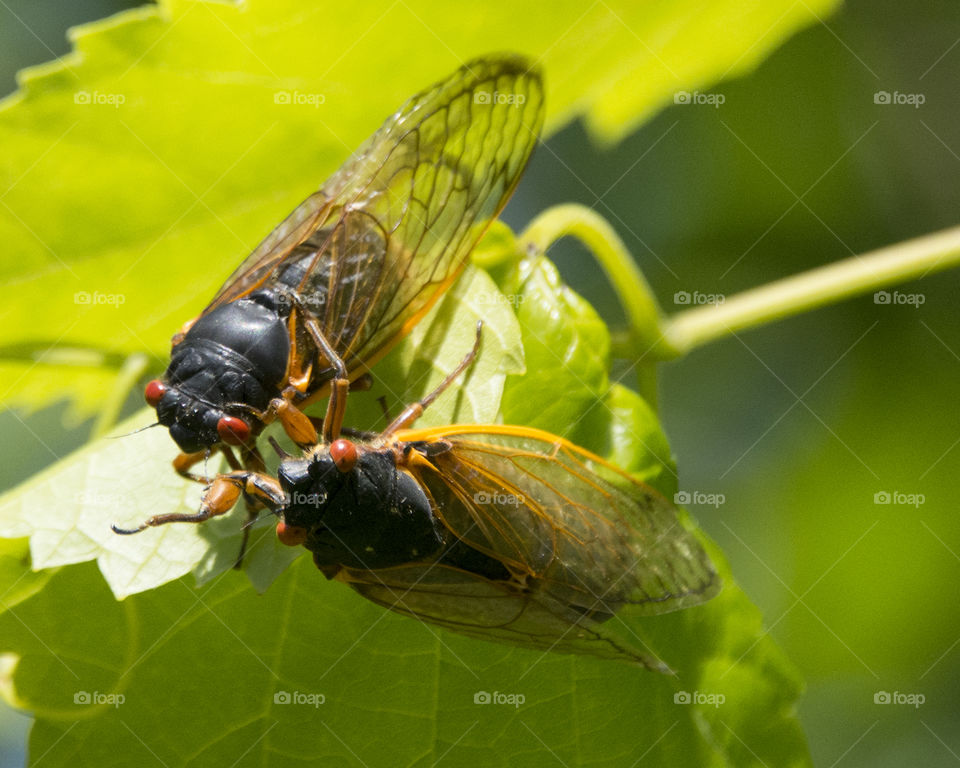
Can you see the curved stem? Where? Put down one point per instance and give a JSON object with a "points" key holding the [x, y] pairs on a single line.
{"points": [[636, 297], [639, 303], [818, 287]]}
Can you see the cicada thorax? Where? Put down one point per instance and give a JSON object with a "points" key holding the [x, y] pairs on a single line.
{"points": [[239, 356], [330, 280], [371, 514], [232, 358]]}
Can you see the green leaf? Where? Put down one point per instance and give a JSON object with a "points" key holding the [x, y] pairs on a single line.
{"points": [[126, 214], [18, 581], [222, 676], [137, 173], [435, 347], [394, 690], [568, 346]]}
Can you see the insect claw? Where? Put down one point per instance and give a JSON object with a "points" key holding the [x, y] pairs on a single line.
{"points": [[128, 531], [278, 448]]}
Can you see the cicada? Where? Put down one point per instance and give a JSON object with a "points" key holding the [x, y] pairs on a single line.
{"points": [[500, 532], [352, 269]]}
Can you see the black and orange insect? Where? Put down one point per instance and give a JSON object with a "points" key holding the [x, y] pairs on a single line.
{"points": [[500, 532], [352, 269]]}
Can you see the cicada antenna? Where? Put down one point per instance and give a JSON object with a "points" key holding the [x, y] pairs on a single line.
{"points": [[127, 434]]}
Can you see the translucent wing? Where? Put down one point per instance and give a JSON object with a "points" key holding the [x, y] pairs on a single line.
{"points": [[373, 249], [472, 605], [592, 538]]}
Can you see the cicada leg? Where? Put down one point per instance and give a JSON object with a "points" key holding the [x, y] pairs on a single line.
{"points": [[413, 411], [219, 498], [247, 479], [339, 387], [362, 383], [252, 463], [295, 423], [184, 462]]}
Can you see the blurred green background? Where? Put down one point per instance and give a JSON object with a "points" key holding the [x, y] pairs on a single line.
{"points": [[801, 423]]}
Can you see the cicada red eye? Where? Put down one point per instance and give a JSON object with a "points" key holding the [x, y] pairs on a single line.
{"points": [[154, 392], [344, 455], [232, 430], [291, 535]]}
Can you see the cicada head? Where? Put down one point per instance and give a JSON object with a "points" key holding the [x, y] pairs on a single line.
{"points": [[224, 370], [308, 484], [195, 424]]}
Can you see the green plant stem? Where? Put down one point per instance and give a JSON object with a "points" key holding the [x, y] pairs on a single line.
{"points": [[638, 301], [816, 288]]}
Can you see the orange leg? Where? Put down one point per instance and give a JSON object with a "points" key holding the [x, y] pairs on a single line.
{"points": [[413, 411], [339, 387], [186, 461], [220, 497]]}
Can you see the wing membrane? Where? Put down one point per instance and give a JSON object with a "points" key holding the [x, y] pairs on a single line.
{"points": [[593, 537], [373, 249], [471, 605]]}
